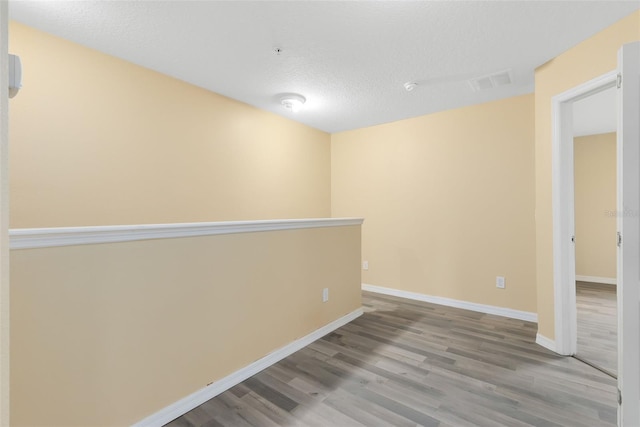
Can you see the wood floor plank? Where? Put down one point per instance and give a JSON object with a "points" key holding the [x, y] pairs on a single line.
{"points": [[322, 415], [407, 363], [252, 414], [597, 325], [286, 389], [222, 413]]}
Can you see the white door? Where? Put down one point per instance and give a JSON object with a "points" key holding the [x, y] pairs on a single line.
{"points": [[629, 235]]}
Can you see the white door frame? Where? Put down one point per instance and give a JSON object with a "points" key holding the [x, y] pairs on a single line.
{"points": [[629, 229], [564, 270], [4, 215]]}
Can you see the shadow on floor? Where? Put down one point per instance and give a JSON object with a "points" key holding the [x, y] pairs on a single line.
{"points": [[407, 363]]}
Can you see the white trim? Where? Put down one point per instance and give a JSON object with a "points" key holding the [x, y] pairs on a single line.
{"points": [[29, 238], [545, 342], [482, 308], [588, 88], [628, 206], [595, 279], [564, 271], [186, 404], [5, 302]]}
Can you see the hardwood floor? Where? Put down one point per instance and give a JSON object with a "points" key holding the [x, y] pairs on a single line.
{"points": [[408, 363], [597, 325]]}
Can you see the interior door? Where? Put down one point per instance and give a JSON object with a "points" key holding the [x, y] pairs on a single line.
{"points": [[629, 235]]}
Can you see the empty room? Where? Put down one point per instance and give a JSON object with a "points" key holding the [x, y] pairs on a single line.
{"points": [[310, 213]]}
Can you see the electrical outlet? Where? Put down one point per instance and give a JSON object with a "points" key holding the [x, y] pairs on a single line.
{"points": [[500, 282], [365, 265], [325, 295]]}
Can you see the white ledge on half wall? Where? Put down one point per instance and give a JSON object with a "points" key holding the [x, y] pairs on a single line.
{"points": [[30, 238]]}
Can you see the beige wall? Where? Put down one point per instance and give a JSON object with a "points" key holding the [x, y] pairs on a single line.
{"points": [[108, 334], [448, 200], [591, 58], [96, 140], [595, 205]]}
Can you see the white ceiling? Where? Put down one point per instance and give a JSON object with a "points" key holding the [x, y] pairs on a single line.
{"points": [[350, 59], [595, 114]]}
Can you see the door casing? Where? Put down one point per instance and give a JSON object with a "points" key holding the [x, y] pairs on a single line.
{"points": [[564, 260]]}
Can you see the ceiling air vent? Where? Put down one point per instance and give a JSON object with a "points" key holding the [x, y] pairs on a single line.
{"points": [[491, 81]]}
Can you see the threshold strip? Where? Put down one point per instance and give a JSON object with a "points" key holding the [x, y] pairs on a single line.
{"points": [[586, 362]]}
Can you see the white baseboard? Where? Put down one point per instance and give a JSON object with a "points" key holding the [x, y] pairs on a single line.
{"points": [[186, 404], [545, 342], [594, 279], [482, 308]]}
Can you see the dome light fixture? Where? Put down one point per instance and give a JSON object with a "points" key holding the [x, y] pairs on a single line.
{"points": [[293, 102], [410, 86]]}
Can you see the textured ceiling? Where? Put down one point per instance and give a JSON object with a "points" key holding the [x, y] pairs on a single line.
{"points": [[349, 59]]}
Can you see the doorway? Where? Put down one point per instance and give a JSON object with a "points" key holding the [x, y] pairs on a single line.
{"points": [[594, 127], [627, 81], [564, 209]]}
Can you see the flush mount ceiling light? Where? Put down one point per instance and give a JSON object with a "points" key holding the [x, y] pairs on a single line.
{"points": [[409, 86], [292, 101]]}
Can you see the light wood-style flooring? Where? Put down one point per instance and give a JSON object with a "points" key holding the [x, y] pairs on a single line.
{"points": [[408, 363], [597, 325]]}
